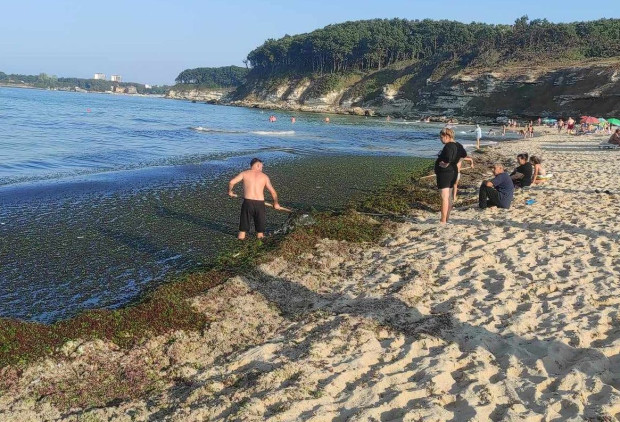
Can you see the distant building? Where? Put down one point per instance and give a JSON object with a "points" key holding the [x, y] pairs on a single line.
{"points": [[147, 86], [99, 76], [115, 78]]}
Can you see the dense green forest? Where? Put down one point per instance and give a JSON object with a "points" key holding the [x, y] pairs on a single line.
{"points": [[214, 77], [45, 81], [374, 44]]}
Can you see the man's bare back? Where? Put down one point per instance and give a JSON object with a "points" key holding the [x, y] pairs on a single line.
{"points": [[254, 184]]}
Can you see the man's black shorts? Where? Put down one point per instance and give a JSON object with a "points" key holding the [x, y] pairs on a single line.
{"points": [[252, 210]]}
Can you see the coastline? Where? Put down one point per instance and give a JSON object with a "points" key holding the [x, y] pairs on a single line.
{"points": [[25, 86], [131, 231], [501, 314]]}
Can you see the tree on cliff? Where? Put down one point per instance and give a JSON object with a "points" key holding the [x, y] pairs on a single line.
{"points": [[214, 77], [374, 44]]}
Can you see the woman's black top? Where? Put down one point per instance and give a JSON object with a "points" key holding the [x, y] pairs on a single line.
{"points": [[527, 170], [449, 154]]}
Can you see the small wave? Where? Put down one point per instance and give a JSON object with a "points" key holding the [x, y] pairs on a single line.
{"points": [[482, 143], [211, 130], [273, 133]]}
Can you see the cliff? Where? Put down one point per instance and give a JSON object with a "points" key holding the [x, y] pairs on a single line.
{"points": [[209, 95], [416, 89]]}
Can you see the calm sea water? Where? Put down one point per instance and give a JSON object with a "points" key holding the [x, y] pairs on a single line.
{"points": [[47, 134], [101, 195]]}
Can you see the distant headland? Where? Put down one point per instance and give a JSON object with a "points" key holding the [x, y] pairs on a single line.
{"points": [[420, 68], [96, 84]]}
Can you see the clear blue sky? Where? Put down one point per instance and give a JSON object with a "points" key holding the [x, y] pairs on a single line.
{"points": [[152, 41]]}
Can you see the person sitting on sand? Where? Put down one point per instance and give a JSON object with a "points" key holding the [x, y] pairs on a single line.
{"points": [[540, 175], [446, 171], [522, 175], [253, 207], [615, 138], [497, 192]]}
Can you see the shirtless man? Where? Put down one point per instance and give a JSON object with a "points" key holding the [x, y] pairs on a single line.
{"points": [[253, 208]]}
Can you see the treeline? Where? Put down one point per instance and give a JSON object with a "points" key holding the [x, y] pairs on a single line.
{"points": [[46, 81], [374, 44], [214, 77]]}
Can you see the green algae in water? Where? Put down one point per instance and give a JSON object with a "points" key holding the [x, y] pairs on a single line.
{"points": [[105, 250]]}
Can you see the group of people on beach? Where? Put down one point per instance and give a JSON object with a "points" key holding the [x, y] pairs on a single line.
{"points": [[496, 192]]}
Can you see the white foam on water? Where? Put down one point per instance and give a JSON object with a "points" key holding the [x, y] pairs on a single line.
{"points": [[468, 145], [210, 130], [273, 133]]}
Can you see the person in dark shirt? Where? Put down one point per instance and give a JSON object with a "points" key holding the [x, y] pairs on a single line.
{"points": [[497, 192], [446, 171], [522, 175]]}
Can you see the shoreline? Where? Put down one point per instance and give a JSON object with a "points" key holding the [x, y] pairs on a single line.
{"points": [[359, 112], [502, 313], [82, 92], [131, 233]]}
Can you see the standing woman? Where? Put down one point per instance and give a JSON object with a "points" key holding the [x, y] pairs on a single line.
{"points": [[446, 171]]}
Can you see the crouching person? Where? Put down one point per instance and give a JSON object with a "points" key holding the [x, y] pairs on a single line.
{"points": [[497, 192]]}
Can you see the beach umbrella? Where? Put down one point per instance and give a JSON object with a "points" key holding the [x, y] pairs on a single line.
{"points": [[589, 120], [614, 122]]}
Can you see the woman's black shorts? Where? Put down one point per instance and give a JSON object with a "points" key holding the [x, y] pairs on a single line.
{"points": [[252, 210], [446, 179]]}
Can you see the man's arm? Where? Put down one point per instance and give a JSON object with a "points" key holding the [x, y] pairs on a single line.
{"points": [[232, 184], [274, 194]]}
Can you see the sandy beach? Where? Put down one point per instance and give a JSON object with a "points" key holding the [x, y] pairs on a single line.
{"points": [[500, 315]]}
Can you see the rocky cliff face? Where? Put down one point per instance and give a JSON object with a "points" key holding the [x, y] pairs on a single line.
{"points": [[203, 95], [421, 90]]}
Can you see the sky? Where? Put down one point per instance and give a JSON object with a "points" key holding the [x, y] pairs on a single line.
{"points": [[153, 41]]}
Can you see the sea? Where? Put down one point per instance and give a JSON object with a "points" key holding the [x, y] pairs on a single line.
{"points": [[85, 178]]}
